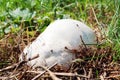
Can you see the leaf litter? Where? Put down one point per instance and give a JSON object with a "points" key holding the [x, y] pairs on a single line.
{"points": [[91, 63]]}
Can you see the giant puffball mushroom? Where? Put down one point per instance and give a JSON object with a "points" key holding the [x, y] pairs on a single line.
{"points": [[51, 44]]}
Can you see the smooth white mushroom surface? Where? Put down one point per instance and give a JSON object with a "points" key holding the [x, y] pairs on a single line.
{"points": [[50, 45]]}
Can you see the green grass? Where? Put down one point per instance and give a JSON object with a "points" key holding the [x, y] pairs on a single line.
{"points": [[37, 14]]}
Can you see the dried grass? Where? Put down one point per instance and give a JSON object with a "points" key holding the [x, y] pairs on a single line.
{"points": [[91, 63]]}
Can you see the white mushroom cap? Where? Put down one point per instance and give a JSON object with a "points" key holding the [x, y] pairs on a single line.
{"points": [[50, 45]]}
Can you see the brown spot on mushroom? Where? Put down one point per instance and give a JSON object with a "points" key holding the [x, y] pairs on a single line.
{"points": [[65, 47], [77, 25], [43, 44], [51, 51]]}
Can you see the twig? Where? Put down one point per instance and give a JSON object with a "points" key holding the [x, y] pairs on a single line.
{"points": [[51, 73], [112, 76], [17, 65], [40, 74], [6, 78], [101, 77], [83, 42], [95, 16], [85, 73], [78, 78], [90, 73], [101, 27], [9, 67], [60, 74]]}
